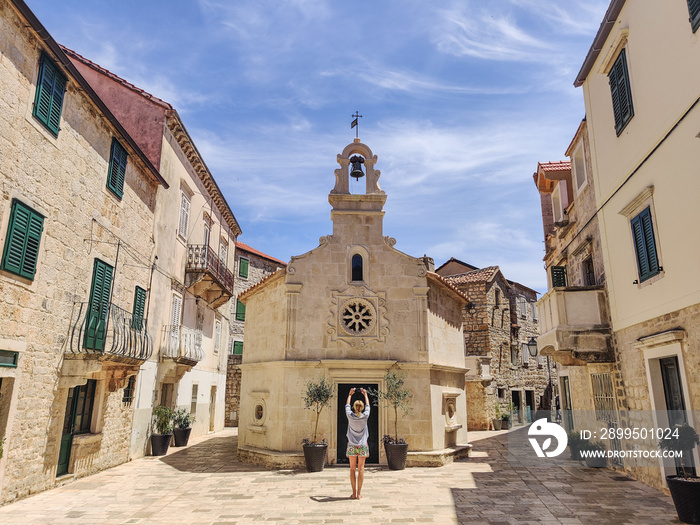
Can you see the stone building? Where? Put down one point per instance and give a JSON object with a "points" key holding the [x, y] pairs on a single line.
{"points": [[192, 279], [252, 266], [348, 311], [77, 216], [640, 89], [499, 321]]}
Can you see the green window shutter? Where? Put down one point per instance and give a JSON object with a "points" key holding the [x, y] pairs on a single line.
{"points": [[645, 245], [117, 169], [23, 239], [98, 307], [240, 311], [243, 268], [137, 314], [50, 90], [237, 347], [621, 92], [558, 276], [694, 10]]}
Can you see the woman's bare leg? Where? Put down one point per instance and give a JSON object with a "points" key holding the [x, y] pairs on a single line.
{"points": [[353, 466], [360, 474]]}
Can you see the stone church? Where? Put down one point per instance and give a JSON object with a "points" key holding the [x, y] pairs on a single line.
{"points": [[348, 311]]}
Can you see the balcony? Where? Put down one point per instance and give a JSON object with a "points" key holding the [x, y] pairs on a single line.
{"points": [[109, 333], [575, 326], [207, 276], [182, 344]]}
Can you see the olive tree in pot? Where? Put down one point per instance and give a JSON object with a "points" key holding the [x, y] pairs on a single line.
{"points": [[316, 396], [497, 421], [398, 398], [163, 430], [183, 426], [685, 488]]}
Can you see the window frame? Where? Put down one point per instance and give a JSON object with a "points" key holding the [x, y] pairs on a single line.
{"points": [[241, 273], [237, 348], [619, 79], [579, 152], [645, 237], [49, 78], [184, 220], [240, 310], [89, 389], [27, 238], [139, 309], [116, 174], [129, 391]]}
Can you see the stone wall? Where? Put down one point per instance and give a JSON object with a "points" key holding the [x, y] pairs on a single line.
{"points": [[233, 390]]}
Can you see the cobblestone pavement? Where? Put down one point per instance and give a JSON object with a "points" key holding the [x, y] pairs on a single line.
{"points": [[205, 484]]}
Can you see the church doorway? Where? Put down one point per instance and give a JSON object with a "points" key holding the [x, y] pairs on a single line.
{"points": [[373, 423]]}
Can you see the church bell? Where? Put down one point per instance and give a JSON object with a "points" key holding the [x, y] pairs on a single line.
{"points": [[356, 168]]}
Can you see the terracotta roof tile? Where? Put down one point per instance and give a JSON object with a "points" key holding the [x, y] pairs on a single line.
{"points": [[244, 247], [444, 281], [476, 276], [560, 165]]}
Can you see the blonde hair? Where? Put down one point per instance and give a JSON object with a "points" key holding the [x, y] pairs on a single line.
{"points": [[358, 406]]}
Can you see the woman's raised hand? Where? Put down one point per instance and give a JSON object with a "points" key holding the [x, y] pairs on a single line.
{"points": [[352, 391]]}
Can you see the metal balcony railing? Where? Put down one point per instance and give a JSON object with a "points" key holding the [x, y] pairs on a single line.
{"points": [[182, 344], [106, 329], [203, 258]]}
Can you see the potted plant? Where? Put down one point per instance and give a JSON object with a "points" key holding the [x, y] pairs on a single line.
{"points": [[317, 396], [595, 458], [397, 397], [497, 420], [505, 417], [163, 426], [575, 445], [183, 426], [685, 488]]}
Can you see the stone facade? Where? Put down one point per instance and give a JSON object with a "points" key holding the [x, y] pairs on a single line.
{"points": [[254, 268], [63, 178], [499, 320], [348, 311]]}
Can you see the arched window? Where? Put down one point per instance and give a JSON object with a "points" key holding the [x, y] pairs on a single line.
{"points": [[357, 268]]}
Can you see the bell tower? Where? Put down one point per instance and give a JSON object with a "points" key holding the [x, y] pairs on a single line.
{"points": [[357, 214]]}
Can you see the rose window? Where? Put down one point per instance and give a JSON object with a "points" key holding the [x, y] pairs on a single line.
{"points": [[357, 316]]}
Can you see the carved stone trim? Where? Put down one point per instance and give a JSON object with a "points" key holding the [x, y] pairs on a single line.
{"points": [[357, 316]]}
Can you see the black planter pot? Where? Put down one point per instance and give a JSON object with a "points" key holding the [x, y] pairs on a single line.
{"points": [[160, 444], [396, 455], [315, 457], [686, 497], [182, 436]]}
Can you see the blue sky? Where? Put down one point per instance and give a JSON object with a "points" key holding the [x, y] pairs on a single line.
{"points": [[460, 99]]}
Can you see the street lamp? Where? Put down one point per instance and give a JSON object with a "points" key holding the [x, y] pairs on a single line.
{"points": [[532, 347]]}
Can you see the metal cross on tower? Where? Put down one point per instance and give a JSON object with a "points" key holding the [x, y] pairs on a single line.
{"points": [[356, 123]]}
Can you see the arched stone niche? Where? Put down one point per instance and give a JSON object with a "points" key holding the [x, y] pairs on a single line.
{"points": [[342, 175]]}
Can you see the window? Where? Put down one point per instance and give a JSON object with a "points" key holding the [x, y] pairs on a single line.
{"points": [[128, 396], [498, 298], [579, 167], [98, 307], [184, 215], [533, 306], [556, 205], [23, 239], [621, 93], [501, 393], [207, 232], [522, 306], [558, 274], [526, 353], [588, 272], [193, 399], [217, 335], [50, 89], [240, 311], [139, 308], [357, 267], [176, 311], [645, 245], [694, 10], [237, 348], [84, 399], [603, 397], [8, 359], [223, 252], [117, 169], [243, 264]]}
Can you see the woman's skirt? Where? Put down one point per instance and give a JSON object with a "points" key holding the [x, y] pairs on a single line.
{"points": [[357, 450]]}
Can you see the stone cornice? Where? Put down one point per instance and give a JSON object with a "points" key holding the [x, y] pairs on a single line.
{"points": [[177, 128]]}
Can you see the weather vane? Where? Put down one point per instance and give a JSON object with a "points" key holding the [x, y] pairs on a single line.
{"points": [[356, 123]]}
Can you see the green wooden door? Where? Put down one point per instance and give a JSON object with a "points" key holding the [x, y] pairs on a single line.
{"points": [[98, 307], [67, 434]]}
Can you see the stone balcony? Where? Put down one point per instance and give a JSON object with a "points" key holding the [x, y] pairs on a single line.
{"points": [[181, 344], [207, 276], [575, 326]]}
